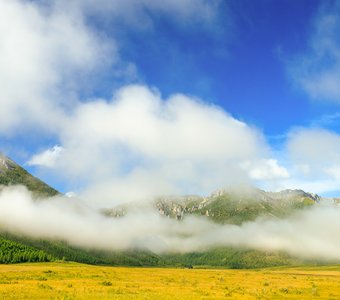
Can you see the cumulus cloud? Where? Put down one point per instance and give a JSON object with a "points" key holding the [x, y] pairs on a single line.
{"points": [[139, 143], [41, 58], [265, 169], [318, 70], [47, 158], [310, 234]]}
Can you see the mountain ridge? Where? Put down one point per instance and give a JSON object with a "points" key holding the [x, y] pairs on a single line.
{"points": [[228, 205]]}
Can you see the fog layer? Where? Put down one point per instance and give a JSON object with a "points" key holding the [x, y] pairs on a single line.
{"points": [[310, 234]]}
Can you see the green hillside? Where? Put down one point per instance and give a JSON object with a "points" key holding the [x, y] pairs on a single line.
{"points": [[234, 207], [14, 249], [59, 250], [236, 210], [13, 174]]}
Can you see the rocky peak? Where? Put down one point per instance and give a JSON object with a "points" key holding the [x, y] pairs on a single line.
{"points": [[5, 164]]}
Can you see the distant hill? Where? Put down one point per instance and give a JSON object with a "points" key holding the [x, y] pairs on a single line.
{"points": [[230, 206], [13, 174], [236, 207]]}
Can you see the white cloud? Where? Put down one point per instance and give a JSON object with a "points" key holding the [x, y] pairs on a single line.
{"points": [[334, 171], [41, 58], [141, 144], [313, 159], [314, 147], [318, 70], [47, 158], [265, 169]]}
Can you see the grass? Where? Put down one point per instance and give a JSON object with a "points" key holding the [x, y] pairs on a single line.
{"points": [[79, 281]]}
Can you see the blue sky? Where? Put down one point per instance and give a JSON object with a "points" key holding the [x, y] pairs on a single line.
{"points": [[266, 71], [239, 66]]}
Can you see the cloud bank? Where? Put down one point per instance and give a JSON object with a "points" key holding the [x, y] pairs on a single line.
{"points": [[308, 234], [139, 142]]}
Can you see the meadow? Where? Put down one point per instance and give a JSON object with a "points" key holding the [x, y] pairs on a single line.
{"points": [[79, 281]]}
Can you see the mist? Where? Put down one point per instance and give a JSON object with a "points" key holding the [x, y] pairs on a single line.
{"points": [[311, 233]]}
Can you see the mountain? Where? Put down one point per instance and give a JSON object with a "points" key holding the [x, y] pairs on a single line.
{"points": [[13, 174]]}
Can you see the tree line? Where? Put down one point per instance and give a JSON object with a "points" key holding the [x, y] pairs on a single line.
{"points": [[12, 252]]}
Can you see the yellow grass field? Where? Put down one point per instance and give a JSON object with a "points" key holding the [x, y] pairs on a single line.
{"points": [[79, 281]]}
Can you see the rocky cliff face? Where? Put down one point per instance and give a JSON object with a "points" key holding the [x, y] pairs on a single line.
{"points": [[237, 206], [6, 164]]}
